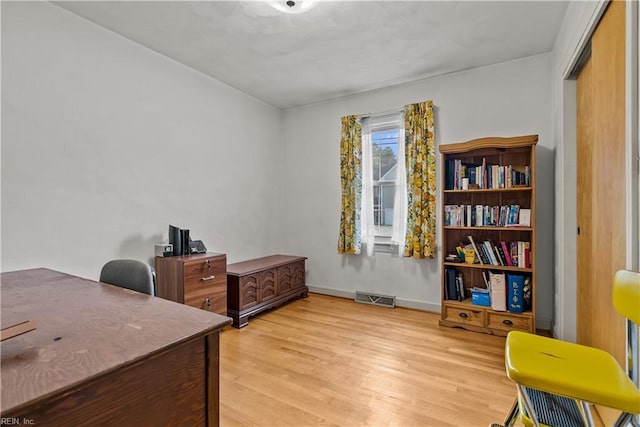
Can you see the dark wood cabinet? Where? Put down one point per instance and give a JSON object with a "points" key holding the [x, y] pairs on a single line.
{"points": [[196, 280], [290, 276], [263, 283], [267, 285]]}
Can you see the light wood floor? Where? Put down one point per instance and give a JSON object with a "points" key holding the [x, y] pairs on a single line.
{"points": [[328, 361]]}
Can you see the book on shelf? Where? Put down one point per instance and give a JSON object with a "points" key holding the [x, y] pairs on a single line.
{"points": [[515, 288], [485, 176], [498, 253], [505, 250], [460, 287], [524, 219], [489, 249], [475, 249], [449, 174], [523, 254], [498, 285], [486, 216], [527, 254], [487, 254], [527, 291], [513, 249], [478, 222], [501, 255], [450, 285], [485, 278]]}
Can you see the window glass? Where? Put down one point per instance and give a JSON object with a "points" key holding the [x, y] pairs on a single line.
{"points": [[385, 160]]}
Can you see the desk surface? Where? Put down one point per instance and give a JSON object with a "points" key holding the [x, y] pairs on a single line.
{"points": [[85, 329]]}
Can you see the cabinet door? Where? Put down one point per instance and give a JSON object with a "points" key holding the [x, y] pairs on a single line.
{"points": [[248, 291], [285, 278], [267, 280], [298, 274]]}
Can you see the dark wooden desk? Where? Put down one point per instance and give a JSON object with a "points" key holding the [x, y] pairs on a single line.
{"points": [[103, 355]]}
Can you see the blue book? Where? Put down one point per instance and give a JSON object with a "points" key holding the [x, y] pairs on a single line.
{"points": [[515, 293], [452, 289], [449, 173]]}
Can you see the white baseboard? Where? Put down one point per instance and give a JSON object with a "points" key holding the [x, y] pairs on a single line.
{"points": [[554, 332], [407, 303]]}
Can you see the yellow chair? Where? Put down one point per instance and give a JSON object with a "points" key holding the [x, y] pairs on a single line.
{"points": [[557, 380]]}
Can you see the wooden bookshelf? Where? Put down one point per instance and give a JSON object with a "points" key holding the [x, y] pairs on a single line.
{"points": [[499, 192]]}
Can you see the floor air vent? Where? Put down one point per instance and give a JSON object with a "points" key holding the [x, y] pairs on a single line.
{"points": [[368, 298]]}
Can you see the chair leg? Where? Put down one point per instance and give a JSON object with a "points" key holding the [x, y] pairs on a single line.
{"points": [[512, 416], [528, 406], [585, 412], [624, 419]]}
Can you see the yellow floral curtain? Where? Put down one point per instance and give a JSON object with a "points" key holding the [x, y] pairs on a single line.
{"points": [[351, 181], [420, 160]]}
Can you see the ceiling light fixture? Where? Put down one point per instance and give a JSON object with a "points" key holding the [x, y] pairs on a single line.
{"points": [[292, 6]]}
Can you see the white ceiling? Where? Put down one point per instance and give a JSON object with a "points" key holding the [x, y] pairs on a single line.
{"points": [[335, 49]]}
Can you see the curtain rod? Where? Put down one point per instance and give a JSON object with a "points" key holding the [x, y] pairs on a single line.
{"points": [[382, 113]]}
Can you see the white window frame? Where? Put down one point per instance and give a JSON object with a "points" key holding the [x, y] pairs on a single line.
{"points": [[374, 241]]}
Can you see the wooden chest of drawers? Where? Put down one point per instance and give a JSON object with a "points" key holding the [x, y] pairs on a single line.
{"points": [[260, 284], [196, 280]]}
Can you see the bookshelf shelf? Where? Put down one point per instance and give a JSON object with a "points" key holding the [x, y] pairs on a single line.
{"points": [[451, 227], [487, 267], [490, 190], [495, 223]]}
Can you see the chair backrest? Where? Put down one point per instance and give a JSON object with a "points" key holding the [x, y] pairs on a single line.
{"points": [[626, 294], [130, 274]]}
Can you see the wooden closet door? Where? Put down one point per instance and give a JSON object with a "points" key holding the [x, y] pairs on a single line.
{"points": [[584, 191], [601, 184], [601, 188]]}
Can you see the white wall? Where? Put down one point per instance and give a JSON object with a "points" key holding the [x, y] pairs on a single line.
{"points": [[508, 99], [104, 143]]}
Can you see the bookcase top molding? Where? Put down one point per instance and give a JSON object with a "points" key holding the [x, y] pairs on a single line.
{"points": [[489, 142]]}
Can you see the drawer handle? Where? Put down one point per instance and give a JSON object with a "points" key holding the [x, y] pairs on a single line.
{"points": [[208, 263], [463, 315], [207, 302], [204, 279], [507, 322]]}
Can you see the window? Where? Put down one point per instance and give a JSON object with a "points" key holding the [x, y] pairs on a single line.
{"points": [[374, 170], [384, 147], [383, 158]]}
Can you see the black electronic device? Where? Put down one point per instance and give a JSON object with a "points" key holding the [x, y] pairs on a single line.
{"points": [[175, 238], [182, 243], [186, 240], [197, 247]]}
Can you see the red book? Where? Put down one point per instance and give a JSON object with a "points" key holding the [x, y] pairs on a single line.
{"points": [[506, 251], [527, 255]]}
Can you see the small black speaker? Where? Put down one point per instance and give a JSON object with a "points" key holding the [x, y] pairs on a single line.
{"points": [[186, 247], [175, 238]]}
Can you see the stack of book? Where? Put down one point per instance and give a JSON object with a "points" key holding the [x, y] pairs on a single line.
{"points": [[508, 254], [509, 292], [454, 285], [486, 216], [484, 175]]}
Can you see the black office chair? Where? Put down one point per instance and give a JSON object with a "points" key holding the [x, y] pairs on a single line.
{"points": [[130, 274]]}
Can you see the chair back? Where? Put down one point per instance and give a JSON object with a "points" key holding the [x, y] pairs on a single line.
{"points": [[626, 294], [129, 273]]}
